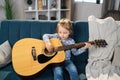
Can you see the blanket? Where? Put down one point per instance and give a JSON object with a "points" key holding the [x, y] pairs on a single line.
{"points": [[99, 65]]}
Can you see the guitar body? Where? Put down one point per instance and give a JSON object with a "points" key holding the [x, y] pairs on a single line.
{"points": [[22, 59], [29, 56]]}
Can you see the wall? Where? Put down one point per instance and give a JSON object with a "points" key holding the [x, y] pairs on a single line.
{"points": [[117, 2], [2, 10], [17, 9], [85, 9]]}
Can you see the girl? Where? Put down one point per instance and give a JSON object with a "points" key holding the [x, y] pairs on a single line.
{"points": [[64, 32]]}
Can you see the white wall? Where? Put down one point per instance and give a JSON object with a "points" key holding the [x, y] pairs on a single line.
{"points": [[85, 9], [17, 7], [117, 2]]}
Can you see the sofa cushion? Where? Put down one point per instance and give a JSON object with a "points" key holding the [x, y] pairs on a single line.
{"points": [[81, 34], [5, 54]]}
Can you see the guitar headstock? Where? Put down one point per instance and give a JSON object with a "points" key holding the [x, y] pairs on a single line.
{"points": [[100, 43]]}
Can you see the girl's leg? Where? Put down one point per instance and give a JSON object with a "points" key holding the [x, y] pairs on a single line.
{"points": [[58, 73], [71, 68]]}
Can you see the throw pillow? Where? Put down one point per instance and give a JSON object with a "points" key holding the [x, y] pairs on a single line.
{"points": [[5, 53]]}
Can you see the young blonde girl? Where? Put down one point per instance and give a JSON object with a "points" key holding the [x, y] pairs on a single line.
{"points": [[63, 33]]}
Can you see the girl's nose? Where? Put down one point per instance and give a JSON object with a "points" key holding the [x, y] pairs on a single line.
{"points": [[62, 34]]}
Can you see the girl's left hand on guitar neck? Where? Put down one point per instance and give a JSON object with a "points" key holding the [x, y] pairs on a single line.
{"points": [[87, 45]]}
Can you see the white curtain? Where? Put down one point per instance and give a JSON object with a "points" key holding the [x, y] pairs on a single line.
{"points": [[108, 5], [2, 10], [17, 9]]}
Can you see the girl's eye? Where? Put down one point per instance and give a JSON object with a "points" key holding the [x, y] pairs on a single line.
{"points": [[64, 33], [59, 32]]}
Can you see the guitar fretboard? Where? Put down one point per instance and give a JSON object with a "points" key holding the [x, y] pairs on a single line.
{"points": [[77, 45]]}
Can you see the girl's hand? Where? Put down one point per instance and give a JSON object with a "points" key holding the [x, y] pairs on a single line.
{"points": [[87, 45], [49, 47]]}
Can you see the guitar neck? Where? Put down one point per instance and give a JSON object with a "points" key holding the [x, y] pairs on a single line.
{"points": [[77, 45]]}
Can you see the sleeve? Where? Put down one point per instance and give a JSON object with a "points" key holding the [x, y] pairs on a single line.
{"points": [[46, 37], [76, 51]]}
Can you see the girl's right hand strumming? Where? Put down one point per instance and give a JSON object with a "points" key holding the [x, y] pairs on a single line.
{"points": [[49, 47]]}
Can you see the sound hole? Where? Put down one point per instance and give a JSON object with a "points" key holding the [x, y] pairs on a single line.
{"points": [[43, 58]]}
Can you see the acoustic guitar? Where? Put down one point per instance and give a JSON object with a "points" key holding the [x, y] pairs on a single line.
{"points": [[29, 55]]}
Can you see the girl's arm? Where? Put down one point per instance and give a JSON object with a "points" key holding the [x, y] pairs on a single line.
{"points": [[46, 38], [77, 51], [80, 50]]}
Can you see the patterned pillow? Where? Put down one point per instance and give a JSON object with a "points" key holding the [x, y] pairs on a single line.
{"points": [[5, 53]]}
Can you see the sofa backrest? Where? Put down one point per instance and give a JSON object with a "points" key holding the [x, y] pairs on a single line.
{"points": [[13, 30]]}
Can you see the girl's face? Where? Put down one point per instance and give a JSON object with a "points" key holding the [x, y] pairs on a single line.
{"points": [[63, 33]]}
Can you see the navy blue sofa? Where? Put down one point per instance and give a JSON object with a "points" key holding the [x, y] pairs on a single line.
{"points": [[14, 30]]}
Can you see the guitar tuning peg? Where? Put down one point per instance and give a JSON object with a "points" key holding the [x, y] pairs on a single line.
{"points": [[105, 43], [100, 43]]}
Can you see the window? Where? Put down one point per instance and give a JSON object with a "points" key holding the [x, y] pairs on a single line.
{"points": [[92, 1]]}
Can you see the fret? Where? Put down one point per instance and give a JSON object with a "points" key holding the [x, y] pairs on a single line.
{"points": [[77, 45], [98, 43]]}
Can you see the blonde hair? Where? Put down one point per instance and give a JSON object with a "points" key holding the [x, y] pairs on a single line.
{"points": [[65, 23]]}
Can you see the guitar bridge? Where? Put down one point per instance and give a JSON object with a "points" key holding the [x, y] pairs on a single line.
{"points": [[34, 53]]}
